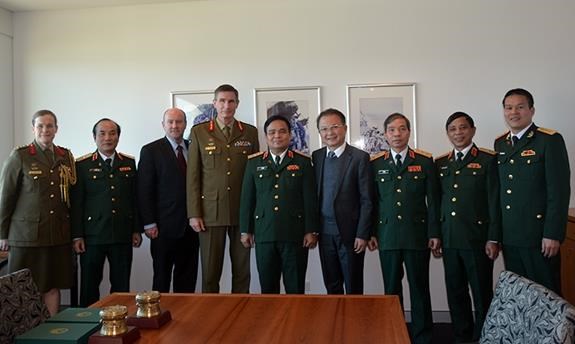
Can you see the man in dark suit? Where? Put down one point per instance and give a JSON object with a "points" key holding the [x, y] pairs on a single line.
{"points": [[104, 214], [278, 210], [218, 154], [345, 191], [162, 200], [534, 175], [407, 215], [471, 226]]}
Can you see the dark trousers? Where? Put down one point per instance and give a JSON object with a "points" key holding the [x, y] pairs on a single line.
{"points": [[340, 266], [529, 262], [177, 256], [465, 269], [281, 259], [92, 269], [212, 248], [417, 269]]}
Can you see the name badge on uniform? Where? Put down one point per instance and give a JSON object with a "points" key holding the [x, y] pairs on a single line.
{"points": [[473, 165], [261, 168], [210, 148], [414, 168], [383, 172], [36, 172], [95, 170], [528, 152], [444, 167]]}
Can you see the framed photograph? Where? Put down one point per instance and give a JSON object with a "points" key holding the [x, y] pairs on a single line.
{"points": [[196, 104], [369, 105], [300, 105]]}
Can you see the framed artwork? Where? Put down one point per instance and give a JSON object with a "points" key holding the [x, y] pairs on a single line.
{"points": [[300, 105], [369, 105], [196, 104]]}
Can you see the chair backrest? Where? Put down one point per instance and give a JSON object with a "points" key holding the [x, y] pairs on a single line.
{"points": [[21, 305], [523, 311]]}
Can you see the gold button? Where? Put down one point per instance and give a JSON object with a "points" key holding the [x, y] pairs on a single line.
{"points": [[261, 175], [511, 161], [244, 152], [452, 213], [51, 211], [89, 218], [528, 161], [398, 204], [93, 177], [455, 186], [36, 177], [227, 146], [113, 211], [457, 172], [229, 188], [398, 190], [277, 175], [498, 162], [510, 176], [479, 222], [539, 216], [474, 173], [276, 196], [399, 217], [111, 176], [454, 199], [113, 199], [228, 173], [416, 177], [52, 196], [382, 180], [228, 159], [210, 153], [508, 207], [276, 208], [112, 187], [51, 171], [509, 191], [441, 174], [380, 221], [276, 186], [257, 217], [399, 177], [203, 197], [51, 183]]}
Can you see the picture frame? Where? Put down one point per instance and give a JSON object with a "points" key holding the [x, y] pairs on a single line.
{"points": [[368, 105], [198, 105], [301, 105]]}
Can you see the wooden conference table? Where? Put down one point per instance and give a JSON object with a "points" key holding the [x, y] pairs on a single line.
{"points": [[241, 318]]}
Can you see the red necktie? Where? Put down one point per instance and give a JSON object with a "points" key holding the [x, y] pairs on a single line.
{"points": [[181, 160]]}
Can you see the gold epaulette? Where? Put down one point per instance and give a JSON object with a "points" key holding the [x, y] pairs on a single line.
{"points": [[424, 153], [443, 156], [84, 157], [488, 151], [500, 136], [127, 155], [384, 154], [21, 147], [547, 131], [301, 153], [251, 156]]}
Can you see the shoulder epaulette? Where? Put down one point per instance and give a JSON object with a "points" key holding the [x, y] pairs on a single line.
{"points": [[547, 131], [251, 156], [21, 147], [443, 156], [84, 157], [384, 154], [302, 154], [500, 136], [488, 151], [127, 155], [424, 153]]}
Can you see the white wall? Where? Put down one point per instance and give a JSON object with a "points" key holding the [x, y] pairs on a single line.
{"points": [[122, 62], [6, 95]]}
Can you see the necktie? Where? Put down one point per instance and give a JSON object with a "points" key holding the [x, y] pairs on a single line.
{"points": [[331, 154], [181, 160], [398, 160], [459, 156], [108, 162], [515, 139], [227, 132], [278, 159]]}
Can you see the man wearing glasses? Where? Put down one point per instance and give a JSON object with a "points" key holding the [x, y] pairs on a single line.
{"points": [[345, 190]]}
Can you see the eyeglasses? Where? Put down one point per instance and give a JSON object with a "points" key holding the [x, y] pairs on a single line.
{"points": [[330, 128]]}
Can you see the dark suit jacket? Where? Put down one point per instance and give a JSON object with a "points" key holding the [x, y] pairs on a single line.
{"points": [[162, 189], [353, 203]]}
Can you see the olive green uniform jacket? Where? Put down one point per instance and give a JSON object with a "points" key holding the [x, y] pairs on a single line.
{"points": [[470, 209], [34, 199], [534, 176], [215, 172]]}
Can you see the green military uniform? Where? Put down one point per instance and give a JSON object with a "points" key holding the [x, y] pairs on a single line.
{"points": [[534, 176], [406, 217], [104, 214], [279, 206], [34, 214], [470, 216], [216, 166]]}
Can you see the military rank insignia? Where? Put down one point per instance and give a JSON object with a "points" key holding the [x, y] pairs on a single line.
{"points": [[293, 167], [474, 165], [528, 152], [414, 168]]}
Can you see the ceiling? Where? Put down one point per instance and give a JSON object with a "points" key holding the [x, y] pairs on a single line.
{"points": [[47, 5]]}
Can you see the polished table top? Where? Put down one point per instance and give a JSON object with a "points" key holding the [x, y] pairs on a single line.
{"points": [[241, 318]]}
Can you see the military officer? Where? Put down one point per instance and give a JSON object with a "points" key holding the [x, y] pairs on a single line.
{"points": [[534, 176], [217, 158], [279, 210], [104, 214], [471, 225], [407, 222], [34, 210]]}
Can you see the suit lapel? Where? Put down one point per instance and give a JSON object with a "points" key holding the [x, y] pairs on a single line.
{"points": [[320, 162], [346, 156]]}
